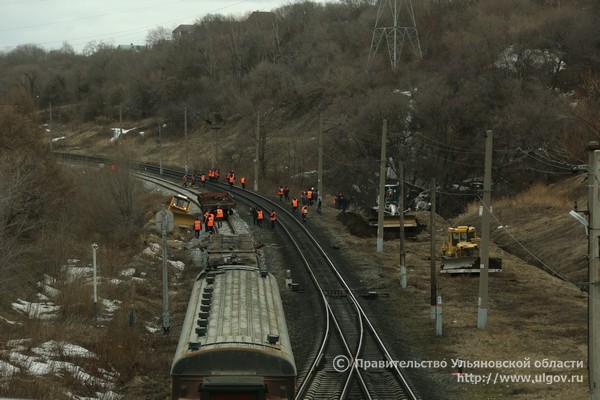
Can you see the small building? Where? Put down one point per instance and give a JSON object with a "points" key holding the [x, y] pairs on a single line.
{"points": [[182, 30], [132, 47]]}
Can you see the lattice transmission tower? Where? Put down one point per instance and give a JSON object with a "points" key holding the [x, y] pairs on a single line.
{"points": [[395, 27]]}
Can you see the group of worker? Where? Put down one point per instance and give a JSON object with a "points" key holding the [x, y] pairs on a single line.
{"points": [[191, 180], [307, 198], [341, 202], [258, 215], [211, 219]]}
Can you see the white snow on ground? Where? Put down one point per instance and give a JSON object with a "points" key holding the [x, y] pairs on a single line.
{"points": [[7, 370], [117, 132], [48, 358], [152, 250], [128, 272], [177, 265], [10, 322], [45, 310]]}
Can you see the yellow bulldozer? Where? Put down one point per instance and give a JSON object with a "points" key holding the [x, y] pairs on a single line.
{"points": [[180, 206], [460, 252]]}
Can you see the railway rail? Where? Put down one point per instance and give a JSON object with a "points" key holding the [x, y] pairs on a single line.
{"points": [[348, 336]]}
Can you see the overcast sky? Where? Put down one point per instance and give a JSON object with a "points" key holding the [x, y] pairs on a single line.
{"points": [[49, 23]]}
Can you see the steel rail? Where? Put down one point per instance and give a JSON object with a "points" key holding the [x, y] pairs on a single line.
{"points": [[256, 198]]}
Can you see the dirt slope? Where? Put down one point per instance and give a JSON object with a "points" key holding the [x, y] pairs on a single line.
{"points": [[533, 317]]}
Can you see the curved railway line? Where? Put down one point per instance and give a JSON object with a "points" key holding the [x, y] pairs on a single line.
{"points": [[348, 335]]}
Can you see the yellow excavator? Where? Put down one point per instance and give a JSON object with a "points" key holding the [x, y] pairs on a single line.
{"points": [[460, 252]]}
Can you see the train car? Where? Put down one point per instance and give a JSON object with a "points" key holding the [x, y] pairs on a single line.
{"points": [[209, 201], [234, 343]]}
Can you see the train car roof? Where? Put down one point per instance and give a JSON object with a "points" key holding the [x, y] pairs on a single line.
{"points": [[235, 324]]}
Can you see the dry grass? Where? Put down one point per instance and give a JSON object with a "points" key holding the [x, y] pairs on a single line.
{"points": [[531, 314]]}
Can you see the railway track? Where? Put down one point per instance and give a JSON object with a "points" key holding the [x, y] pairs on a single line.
{"points": [[350, 345], [349, 336]]}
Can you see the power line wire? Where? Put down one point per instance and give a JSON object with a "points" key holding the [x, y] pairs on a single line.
{"points": [[544, 265]]}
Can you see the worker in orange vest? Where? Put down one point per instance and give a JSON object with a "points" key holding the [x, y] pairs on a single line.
{"points": [[243, 182], [203, 180], [210, 223], [304, 212], [273, 218], [197, 227], [259, 216], [286, 192], [280, 193], [219, 216], [294, 204]]}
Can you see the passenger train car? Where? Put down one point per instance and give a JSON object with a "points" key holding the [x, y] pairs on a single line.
{"points": [[234, 342]]}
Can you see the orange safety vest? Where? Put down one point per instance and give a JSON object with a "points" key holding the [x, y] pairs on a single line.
{"points": [[280, 191], [231, 179], [304, 210], [219, 213], [211, 173], [259, 214], [309, 194], [211, 220], [243, 180], [197, 225], [203, 178], [294, 202], [272, 216]]}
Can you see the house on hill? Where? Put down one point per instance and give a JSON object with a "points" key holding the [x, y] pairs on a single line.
{"points": [[132, 47], [183, 30], [262, 19]]}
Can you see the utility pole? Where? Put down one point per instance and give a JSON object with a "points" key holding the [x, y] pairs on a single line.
{"points": [[160, 155], [95, 308], [185, 164], [432, 271], [381, 205], [257, 151], [320, 163], [594, 271], [401, 211], [484, 254], [120, 122], [164, 224]]}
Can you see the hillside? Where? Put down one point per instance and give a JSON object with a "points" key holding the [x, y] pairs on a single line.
{"points": [[533, 315], [526, 70]]}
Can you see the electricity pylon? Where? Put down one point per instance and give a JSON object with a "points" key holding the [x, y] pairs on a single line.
{"points": [[401, 26]]}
